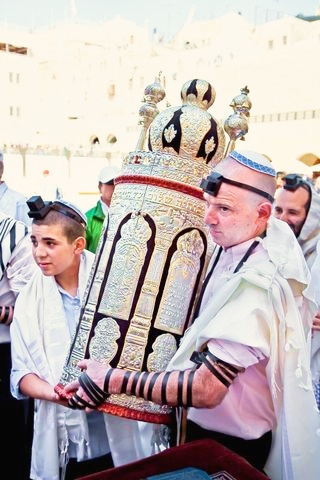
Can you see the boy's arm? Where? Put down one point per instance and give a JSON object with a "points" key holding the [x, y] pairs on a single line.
{"points": [[33, 386]]}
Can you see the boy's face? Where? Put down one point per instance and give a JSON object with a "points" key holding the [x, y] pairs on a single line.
{"points": [[51, 249]]}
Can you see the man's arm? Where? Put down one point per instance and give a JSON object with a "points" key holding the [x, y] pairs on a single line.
{"points": [[316, 322], [21, 265], [203, 386]]}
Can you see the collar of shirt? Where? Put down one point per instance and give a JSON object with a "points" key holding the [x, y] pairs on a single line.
{"points": [[71, 307], [104, 207], [228, 261], [231, 256]]}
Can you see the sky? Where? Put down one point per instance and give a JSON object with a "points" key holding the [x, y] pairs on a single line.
{"points": [[166, 16]]}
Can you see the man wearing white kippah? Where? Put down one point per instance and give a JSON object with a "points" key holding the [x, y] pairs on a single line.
{"points": [[242, 368]]}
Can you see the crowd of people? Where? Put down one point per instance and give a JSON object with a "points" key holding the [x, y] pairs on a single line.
{"points": [[247, 370]]}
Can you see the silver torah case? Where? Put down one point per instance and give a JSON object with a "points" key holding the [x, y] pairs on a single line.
{"points": [[154, 250]]}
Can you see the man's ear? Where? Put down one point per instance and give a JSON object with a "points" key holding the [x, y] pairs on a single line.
{"points": [[264, 210], [80, 244]]}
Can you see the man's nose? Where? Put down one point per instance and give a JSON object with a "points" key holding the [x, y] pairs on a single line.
{"points": [[210, 217], [283, 216]]}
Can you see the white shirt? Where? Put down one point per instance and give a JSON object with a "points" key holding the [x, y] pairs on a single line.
{"points": [[14, 204]]}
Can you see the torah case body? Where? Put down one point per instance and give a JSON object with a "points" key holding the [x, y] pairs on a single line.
{"points": [[154, 249]]}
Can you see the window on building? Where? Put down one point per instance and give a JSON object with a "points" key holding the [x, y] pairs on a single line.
{"points": [[270, 44], [284, 40]]}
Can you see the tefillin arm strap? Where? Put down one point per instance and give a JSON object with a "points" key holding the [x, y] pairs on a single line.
{"points": [[153, 386], [225, 372], [6, 314], [143, 384]]}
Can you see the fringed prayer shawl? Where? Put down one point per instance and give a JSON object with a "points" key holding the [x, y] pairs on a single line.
{"points": [[11, 233], [42, 341]]}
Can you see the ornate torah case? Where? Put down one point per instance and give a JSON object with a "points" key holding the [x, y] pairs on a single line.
{"points": [[155, 247]]}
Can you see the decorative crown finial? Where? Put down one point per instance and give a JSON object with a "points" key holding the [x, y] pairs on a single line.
{"points": [[153, 94], [236, 125]]}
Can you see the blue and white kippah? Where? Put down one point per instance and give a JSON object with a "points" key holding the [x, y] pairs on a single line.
{"points": [[255, 161]]}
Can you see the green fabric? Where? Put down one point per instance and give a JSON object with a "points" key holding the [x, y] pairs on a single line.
{"points": [[95, 217]]}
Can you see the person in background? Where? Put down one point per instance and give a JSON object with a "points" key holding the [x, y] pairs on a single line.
{"points": [[317, 184], [96, 215], [48, 188], [66, 443], [12, 203], [298, 204], [242, 368], [16, 268], [279, 179]]}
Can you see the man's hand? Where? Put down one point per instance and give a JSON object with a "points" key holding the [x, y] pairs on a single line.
{"points": [[82, 391], [316, 322]]}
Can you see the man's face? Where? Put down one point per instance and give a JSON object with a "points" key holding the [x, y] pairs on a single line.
{"points": [[106, 191], [291, 207], [232, 216]]}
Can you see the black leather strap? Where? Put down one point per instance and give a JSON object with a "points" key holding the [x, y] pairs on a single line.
{"points": [[82, 403], [143, 380], [189, 388], [164, 388], [106, 381], [74, 405], [229, 371], [134, 383], [151, 385], [125, 382], [180, 387], [229, 366], [93, 391]]}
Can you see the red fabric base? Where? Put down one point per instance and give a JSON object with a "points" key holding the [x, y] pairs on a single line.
{"points": [[205, 454], [120, 411]]}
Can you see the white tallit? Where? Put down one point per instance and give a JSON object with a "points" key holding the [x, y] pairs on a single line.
{"points": [[11, 233], [309, 240], [41, 342]]}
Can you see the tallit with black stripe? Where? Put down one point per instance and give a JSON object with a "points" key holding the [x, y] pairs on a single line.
{"points": [[12, 232]]}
